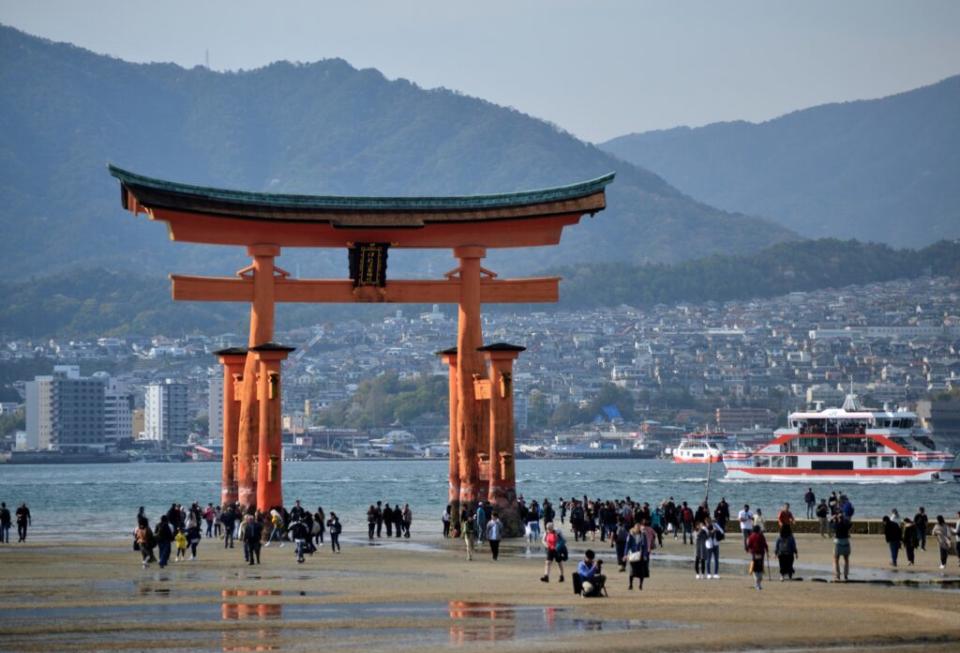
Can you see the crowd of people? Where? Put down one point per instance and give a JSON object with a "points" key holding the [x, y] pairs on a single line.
{"points": [[253, 529], [633, 530]]}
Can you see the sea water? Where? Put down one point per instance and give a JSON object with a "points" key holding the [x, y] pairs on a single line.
{"points": [[84, 501]]}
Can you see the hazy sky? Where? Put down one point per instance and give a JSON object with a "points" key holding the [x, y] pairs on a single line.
{"points": [[596, 68]]}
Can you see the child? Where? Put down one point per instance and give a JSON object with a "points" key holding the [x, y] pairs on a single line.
{"points": [[180, 539]]}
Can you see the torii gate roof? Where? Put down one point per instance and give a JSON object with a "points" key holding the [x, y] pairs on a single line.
{"points": [[221, 216]]}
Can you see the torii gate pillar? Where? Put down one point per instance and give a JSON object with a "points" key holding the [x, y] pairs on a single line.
{"points": [[502, 492], [449, 357], [232, 360], [469, 366]]}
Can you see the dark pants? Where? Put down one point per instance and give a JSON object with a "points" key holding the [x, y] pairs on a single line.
{"points": [[334, 542], [687, 530], [810, 510], [943, 555], [371, 527], [699, 566], [319, 537], [5, 533], [894, 552], [228, 537], [397, 528], [495, 548], [446, 529], [193, 547], [389, 530], [163, 550], [379, 528], [22, 532], [922, 532], [598, 581], [251, 551], [786, 564], [909, 549], [210, 528]]}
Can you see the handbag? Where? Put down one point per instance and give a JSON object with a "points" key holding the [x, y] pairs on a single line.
{"points": [[635, 556]]}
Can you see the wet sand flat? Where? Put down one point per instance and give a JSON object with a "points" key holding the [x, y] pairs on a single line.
{"points": [[423, 595]]}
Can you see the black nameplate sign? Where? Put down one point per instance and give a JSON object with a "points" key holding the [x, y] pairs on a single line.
{"points": [[368, 264]]}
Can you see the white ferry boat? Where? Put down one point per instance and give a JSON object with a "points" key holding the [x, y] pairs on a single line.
{"points": [[848, 444], [697, 449]]}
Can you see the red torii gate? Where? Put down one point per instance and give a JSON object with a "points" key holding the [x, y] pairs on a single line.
{"points": [[481, 436]]}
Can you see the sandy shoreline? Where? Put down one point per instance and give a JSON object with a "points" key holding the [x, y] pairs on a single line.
{"points": [[422, 594]]}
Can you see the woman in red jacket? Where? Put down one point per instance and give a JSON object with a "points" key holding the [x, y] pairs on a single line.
{"points": [[758, 550]]}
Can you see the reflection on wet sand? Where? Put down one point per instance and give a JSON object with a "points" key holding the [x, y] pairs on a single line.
{"points": [[248, 640]]}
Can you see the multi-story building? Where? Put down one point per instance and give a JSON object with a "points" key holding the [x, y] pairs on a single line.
{"points": [[117, 412], [215, 405], [65, 412], [166, 418]]}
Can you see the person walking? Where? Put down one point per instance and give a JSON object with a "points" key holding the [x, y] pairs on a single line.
{"points": [[320, 519], [301, 536], [945, 538], [180, 540], [468, 530], [251, 532], [716, 535], [229, 519], [786, 550], [823, 512], [619, 538], [371, 521], [407, 517], [700, 551], [894, 537], [481, 522], [494, 533], [637, 553], [23, 521], [163, 535], [745, 517], [387, 517], [143, 536], [445, 521], [910, 539], [841, 545], [208, 516], [5, 522], [758, 550], [551, 541], [335, 528], [923, 523], [811, 500]]}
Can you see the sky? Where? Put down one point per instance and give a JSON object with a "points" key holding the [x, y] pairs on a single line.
{"points": [[597, 68]]}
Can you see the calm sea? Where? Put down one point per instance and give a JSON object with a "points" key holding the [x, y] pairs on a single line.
{"points": [[70, 501]]}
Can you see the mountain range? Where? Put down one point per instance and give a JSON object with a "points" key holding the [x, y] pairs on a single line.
{"points": [[317, 128], [882, 170]]}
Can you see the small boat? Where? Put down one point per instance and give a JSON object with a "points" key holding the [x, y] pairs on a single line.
{"points": [[695, 448]]}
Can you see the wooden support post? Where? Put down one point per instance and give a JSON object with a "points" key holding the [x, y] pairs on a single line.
{"points": [[502, 477], [449, 357], [261, 332], [270, 445], [469, 337], [232, 360]]}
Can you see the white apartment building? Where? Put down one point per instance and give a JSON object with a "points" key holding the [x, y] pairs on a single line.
{"points": [[166, 418]]}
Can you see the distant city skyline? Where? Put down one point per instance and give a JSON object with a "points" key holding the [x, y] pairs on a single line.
{"points": [[598, 69]]}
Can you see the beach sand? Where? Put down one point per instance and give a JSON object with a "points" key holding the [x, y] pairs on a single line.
{"points": [[423, 595]]}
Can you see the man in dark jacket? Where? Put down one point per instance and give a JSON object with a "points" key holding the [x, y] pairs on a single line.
{"points": [[23, 520], [163, 535], [894, 536], [4, 524]]}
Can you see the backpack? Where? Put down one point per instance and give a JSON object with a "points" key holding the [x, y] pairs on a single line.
{"points": [[561, 547], [718, 535]]}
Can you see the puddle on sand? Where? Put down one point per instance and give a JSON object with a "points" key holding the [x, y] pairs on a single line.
{"points": [[465, 622], [945, 584]]}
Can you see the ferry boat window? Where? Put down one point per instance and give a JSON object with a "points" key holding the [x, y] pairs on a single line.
{"points": [[761, 461], [791, 461], [873, 446], [776, 461], [871, 462], [926, 441], [886, 462], [904, 461], [853, 445]]}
